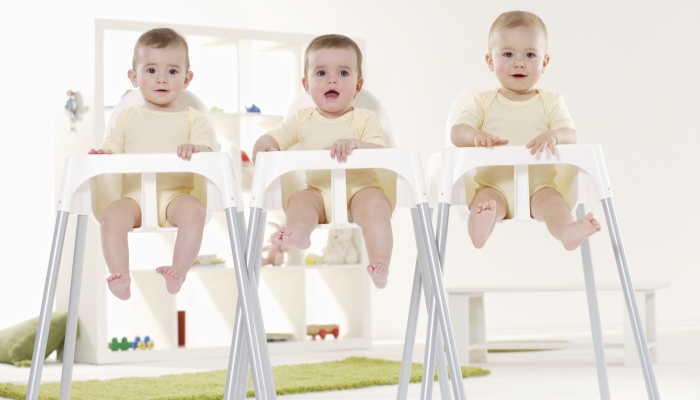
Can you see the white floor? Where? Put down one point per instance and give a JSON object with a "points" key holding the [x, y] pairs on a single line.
{"points": [[559, 374]]}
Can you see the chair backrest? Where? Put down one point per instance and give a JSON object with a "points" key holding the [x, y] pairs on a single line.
{"points": [[396, 169], [463, 99], [106, 188], [575, 167]]}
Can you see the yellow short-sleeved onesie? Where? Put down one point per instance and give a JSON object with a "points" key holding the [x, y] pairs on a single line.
{"points": [[141, 130], [312, 131], [519, 122]]}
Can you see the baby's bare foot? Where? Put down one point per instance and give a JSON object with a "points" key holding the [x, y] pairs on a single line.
{"points": [[379, 274], [120, 285], [576, 232], [483, 222], [173, 278], [295, 237]]}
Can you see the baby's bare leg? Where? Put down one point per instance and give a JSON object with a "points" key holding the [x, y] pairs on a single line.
{"points": [[371, 210], [548, 206], [117, 220], [188, 215], [305, 210], [488, 207]]}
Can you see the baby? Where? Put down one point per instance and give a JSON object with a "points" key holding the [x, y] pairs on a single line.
{"points": [[333, 76], [519, 114], [161, 70]]}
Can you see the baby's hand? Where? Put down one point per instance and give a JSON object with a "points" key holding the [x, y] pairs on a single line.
{"points": [[185, 151], [342, 148], [264, 143], [483, 139], [542, 141], [100, 151]]}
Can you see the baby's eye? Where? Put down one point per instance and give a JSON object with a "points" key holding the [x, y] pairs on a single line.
{"points": [[530, 55], [172, 72], [344, 73], [507, 54], [151, 70], [321, 73]]}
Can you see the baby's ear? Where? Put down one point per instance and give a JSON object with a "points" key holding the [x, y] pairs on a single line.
{"points": [[131, 74], [545, 62], [489, 61]]}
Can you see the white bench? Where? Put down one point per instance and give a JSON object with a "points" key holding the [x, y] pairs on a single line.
{"points": [[466, 305]]}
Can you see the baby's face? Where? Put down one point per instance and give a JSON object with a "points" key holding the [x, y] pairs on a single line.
{"points": [[161, 74], [518, 57], [332, 80]]}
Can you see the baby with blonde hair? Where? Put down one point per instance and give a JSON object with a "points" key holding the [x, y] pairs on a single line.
{"points": [[520, 114]]}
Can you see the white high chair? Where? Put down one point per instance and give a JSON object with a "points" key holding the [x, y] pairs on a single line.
{"points": [[77, 196], [590, 182], [404, 183]]}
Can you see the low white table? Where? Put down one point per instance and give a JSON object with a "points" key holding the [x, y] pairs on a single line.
{"points": [[466, 305]]}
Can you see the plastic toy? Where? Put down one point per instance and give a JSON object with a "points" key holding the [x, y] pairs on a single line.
{"points": [[340, 248], [275, 248], [116, 345], [313, 259], [323, 330], [252, 109]]}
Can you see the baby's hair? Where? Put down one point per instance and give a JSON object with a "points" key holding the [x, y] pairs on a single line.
{"points": [[333, 42], [160, 38], [515, 19]]}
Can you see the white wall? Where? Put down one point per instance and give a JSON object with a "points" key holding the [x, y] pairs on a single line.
{"points": [[627, 71]]}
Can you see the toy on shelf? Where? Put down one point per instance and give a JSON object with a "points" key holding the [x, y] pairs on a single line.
{"points": [[208, 260], [322, 330], [116, 345], [252, 109], [246, 171], [273, 252], [125, 344], [340, 248], [313, 259], [278, 337]]}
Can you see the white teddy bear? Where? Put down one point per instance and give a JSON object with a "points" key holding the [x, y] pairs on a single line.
{"points": [[340, 248]]}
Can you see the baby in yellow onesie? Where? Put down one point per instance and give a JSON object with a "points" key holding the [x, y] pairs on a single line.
{"points": [[519, 114], [333, 76], [161, 71]]}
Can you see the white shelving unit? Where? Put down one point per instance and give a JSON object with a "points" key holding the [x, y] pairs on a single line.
{"points": [[232, 69]]}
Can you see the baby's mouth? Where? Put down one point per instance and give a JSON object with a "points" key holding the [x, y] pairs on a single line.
{"points": [[331, 94], [519, 76]]}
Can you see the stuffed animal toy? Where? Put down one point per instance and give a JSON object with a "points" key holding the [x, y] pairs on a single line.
{"points": [[340, 248], [273, 252]]}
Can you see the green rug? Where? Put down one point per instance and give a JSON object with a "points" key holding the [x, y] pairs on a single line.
{"points": [[353, 372]]}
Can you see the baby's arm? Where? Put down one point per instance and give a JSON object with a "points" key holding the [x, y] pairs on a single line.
{"points": [[265, 143], [185, 151], [463, 135], [551, 138], [342, 148]]}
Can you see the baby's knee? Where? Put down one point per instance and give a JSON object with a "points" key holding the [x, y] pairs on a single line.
{"points": [[373, 205]]}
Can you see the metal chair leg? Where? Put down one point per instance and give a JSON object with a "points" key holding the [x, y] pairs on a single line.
{"points": [[593, 312], [73, 307], [631, 300], [438, 293], [248, 299], [410, 340], [42, 332]]}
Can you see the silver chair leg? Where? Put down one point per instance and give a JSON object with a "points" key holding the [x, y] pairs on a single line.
{"points": [[73, 306], [248, 299], [42, 332], [593, 312], [438, 294], [631, 300], [433, 342], [410, 340], [237, 373]]}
